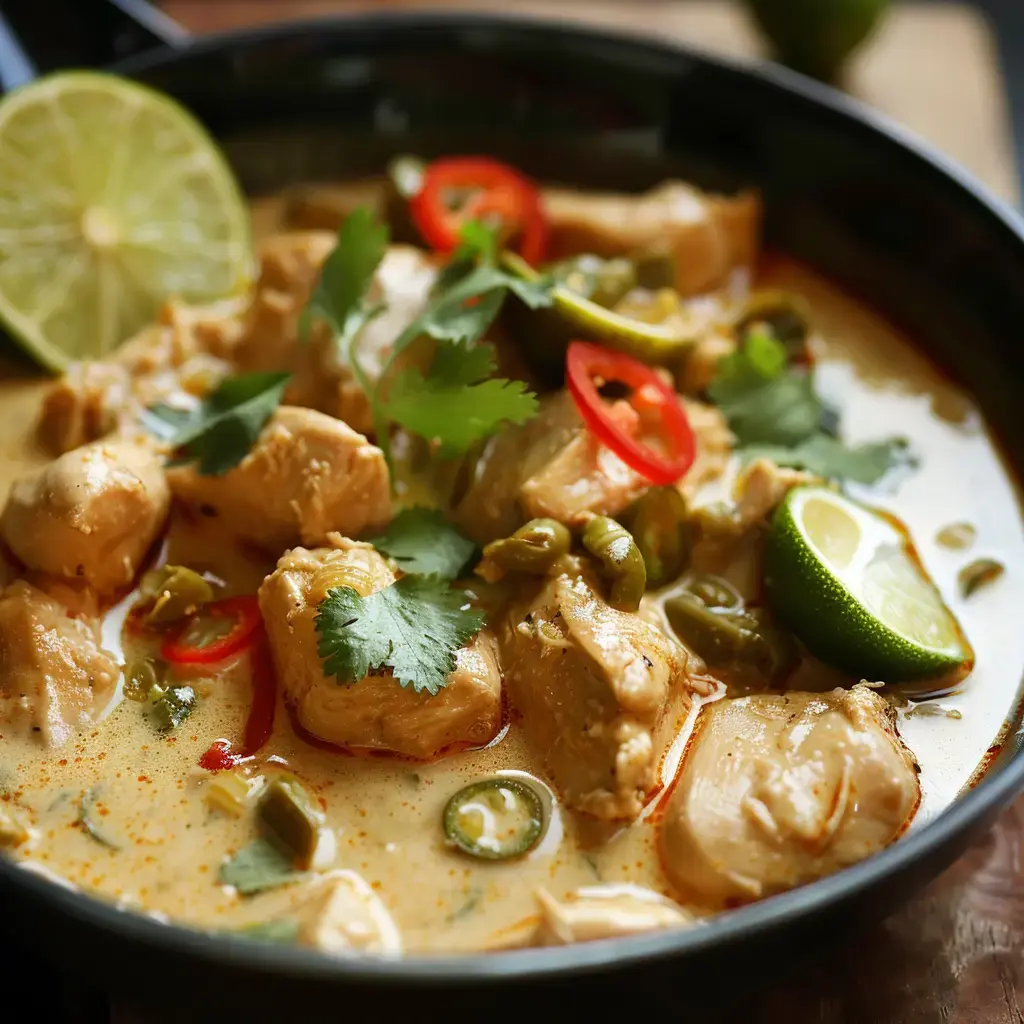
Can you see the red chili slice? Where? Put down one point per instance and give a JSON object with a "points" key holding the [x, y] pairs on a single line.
{"points": [[493, 191], [589, 365], [244, 610], [260, 723]]}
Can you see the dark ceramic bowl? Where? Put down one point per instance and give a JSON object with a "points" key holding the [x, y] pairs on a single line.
{"points": [[844, 190]]}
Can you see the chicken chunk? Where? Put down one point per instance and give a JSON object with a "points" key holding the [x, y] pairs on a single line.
{"points": [[375, 712], [186, 350], [777, 791], [599, 692], [707, 236], [762, 487], [307, 475], [553, 466], [90, 515], [605, 912], [345, 916], [54, 676]]}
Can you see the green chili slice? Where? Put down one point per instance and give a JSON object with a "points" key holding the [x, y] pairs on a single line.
{"points": [[494, 819]]}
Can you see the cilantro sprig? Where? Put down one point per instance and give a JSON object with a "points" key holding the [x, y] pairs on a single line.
{"points": [[222, 429], [457, 401], [413, 627], [775, 412]]}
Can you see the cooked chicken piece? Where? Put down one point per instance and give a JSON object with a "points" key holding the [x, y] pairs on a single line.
{"points": [[714, 446], [700, 365], [375, 712], [552, 466], [599, 693], [707, 236], [777, 791], [84, 405], [185, 350], [270, 340], [605, 912], [584, 478], [54, 676], [90, 515], [307, 474], [345, 916], [762, 486]]}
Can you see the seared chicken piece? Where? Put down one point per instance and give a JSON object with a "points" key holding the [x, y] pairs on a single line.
{"points": [[762, 486], [187, 349], [307, 475], [270, 340], [54, 676], [345, 916], [777, 791], [84, 405], [599, 693], [90, 515], [374, 712], [707, 236], [605, 912], [553, 466]]}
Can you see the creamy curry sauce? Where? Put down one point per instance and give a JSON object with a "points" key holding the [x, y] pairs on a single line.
{"points": [[385, 813]]}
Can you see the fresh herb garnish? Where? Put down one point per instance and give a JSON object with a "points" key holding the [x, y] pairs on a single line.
{"points": [[282, 931], [458, 402], [172, 707], [422, 541], [339, 298], [257, 867], [830, 459], [222, 430], [775, 413], [86, 818], [413, 627]]}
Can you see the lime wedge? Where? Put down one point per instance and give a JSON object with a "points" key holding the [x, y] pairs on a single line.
{"points": [[112, 199], [846, 581]]}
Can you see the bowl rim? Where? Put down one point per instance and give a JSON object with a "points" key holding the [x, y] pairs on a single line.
{"points": [[993, 792]]}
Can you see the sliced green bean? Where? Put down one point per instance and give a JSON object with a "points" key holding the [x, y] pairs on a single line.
{"points": [[176, 591], [287, 816], [621, 562], [494, 819], [714, 592], [140, 678], [661, 531], [533, 548]]}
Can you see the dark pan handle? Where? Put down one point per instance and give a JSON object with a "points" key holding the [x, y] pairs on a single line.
{"points": [[37, 36]]}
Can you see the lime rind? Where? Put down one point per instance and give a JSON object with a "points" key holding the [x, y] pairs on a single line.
{"points": [[113, 198], [876, 614]]}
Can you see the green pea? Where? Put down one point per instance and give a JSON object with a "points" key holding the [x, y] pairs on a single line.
{"points": [[621, 562]]}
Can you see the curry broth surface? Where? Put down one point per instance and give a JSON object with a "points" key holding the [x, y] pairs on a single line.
{"points": [[386, 813]]}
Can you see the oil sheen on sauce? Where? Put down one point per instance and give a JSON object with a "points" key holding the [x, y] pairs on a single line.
{"points": [[386, 813]]}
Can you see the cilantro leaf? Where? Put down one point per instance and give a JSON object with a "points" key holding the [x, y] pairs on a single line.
{"points": [[456, 404], [414, 627], [828, 457], [421, 540], [339, 298], [453, 316], [258, 866], [221, 431], [478, 244], [764, 400]]}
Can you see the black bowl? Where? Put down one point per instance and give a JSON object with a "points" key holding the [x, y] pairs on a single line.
{"points": [[845, 191]]}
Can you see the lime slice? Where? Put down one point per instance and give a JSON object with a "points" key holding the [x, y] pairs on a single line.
{"points": [[112, 199], [846, 581]]}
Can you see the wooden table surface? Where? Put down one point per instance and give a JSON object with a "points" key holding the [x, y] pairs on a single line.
{"points": [[955, 952]]}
